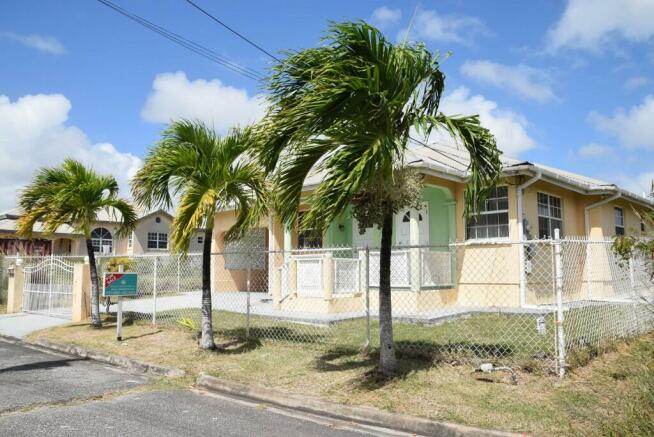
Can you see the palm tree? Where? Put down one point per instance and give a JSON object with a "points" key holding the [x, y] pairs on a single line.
{"points": [[347, 109], [203, 173], [74, 195]]}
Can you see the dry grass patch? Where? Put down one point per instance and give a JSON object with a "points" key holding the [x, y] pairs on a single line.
{"points": [[609, 396]]}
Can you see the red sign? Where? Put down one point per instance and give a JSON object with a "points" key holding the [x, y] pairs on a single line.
{"points": [[110, 278]]}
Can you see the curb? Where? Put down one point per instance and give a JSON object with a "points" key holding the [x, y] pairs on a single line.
{"points": [[359, 414], [103, 357]]}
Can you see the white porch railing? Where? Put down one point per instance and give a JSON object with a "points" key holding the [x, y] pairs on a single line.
{"points": [[400, 268], [436, 268], [346, 275], [436, 271], [310, 278]]}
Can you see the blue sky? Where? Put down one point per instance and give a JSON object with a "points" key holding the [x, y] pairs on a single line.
{"points": [[564, 83]]}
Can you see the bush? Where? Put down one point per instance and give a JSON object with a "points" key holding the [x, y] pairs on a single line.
{"points": [[113, 264]]}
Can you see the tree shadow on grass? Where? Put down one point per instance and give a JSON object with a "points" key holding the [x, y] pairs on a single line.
{"points": [[412, 356], [282, 333], [236, 346]]}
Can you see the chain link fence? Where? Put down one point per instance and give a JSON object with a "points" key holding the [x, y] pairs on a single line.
{"points": [[542, 304]]}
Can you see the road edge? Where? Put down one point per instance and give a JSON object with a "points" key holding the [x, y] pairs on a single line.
{"points": [[359, 414], [102, 357]]}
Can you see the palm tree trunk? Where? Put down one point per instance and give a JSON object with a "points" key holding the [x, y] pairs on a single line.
{"points": [[206, 342], [387, 359], [96, 322]]}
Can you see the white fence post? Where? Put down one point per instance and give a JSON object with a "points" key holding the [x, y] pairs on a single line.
{"points": [[589, 267], [634, 295], [179, 258], [559, 302], [367, 288], [247, 316], [154, 293]]}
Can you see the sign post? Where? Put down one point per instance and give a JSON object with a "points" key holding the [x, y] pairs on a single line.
{"points": [[120, 284]]}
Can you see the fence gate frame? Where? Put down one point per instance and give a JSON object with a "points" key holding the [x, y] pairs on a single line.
{"points": [[48, 287]]}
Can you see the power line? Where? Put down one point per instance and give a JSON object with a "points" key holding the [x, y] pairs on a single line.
{"points": [[186, 43], [243, 37]]}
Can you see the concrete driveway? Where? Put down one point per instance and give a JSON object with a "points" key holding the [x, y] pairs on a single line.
{"points": [[20, 325]]}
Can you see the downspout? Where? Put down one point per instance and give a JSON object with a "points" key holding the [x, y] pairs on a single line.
{"points": [[521, 235], [587, 209]]}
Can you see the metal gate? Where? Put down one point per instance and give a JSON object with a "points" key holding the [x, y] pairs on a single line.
{"points": [[48, 287]]}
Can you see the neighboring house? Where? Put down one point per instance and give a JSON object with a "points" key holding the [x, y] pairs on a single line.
{"points": [[529, 204], [150, 236]]}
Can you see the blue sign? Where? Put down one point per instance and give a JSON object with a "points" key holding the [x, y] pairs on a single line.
{"points": [[120, 284]]}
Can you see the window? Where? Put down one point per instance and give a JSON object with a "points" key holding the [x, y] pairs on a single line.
{"points": [[642, 226], [102, 241], [550, 215], [130, 240], [157, 240], [493, 220], [200, 239], [619, 221], [308, 238]]}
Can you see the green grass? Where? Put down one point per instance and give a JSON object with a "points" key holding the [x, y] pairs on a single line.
{"points": [[610, 395], [500, 338]]}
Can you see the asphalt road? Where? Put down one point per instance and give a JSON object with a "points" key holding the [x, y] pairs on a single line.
{"points": [[33, 385]]}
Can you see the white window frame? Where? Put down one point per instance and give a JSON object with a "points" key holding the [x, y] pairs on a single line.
{"points": [[157, 238], [200, 239], [130, 240], [615, 219], [549, 215], [497, 212], [102, 240]]}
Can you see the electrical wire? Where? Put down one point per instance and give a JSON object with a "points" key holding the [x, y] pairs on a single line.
{"points": [[186, 43], [240, 35]]}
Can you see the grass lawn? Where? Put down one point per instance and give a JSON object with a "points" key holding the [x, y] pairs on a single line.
{"points": [[612, 395]]}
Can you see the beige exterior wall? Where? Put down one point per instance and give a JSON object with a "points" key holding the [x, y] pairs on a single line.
{"points": [[223, 279], [572, 203]]}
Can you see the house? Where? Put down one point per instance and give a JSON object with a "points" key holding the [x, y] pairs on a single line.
{"points": [[527, 206], [151, 236]]}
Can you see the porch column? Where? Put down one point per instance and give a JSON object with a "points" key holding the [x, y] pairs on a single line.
{"points": [[15, 289], [415, 261], [451, 231], [288, 270], [328, 276], [275, 259]]}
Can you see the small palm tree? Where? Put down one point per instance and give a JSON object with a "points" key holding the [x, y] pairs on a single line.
{"points": [[204, 173], [346, 109], [73, 195]]}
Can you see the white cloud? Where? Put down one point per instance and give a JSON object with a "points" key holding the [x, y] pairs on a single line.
{"points": [[528, 82], [220, 106], [592, 24], [35, 134], [429, 25], [594, 150], [509, 128], [385, 16], [640, 183], [42, 43], [636, 82], [634, 128]]}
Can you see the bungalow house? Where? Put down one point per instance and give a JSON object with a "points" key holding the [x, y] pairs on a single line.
{"points": [[464, 263], [149, 237]]}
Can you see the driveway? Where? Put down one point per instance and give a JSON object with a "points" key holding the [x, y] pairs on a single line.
{"points": [[20, 325], [35, 387]]}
